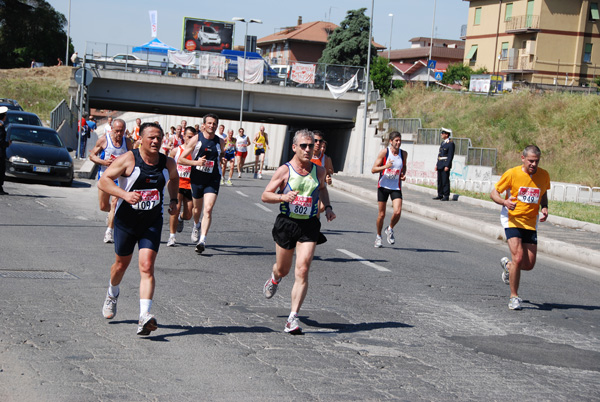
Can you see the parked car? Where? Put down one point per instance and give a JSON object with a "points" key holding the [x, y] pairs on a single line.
{"points": [[20, 117], [11, 104], [118, 61], [283, 70], [37, 153]]}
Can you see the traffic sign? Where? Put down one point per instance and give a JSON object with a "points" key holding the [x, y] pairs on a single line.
{"points": [[88, 76], [438, 76], [431, 64]]}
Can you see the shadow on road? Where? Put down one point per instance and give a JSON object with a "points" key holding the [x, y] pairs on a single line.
{"points": [[558, 306], [350, 328]]}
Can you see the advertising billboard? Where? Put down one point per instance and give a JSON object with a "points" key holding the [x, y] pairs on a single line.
{"points": [[207, 35]]}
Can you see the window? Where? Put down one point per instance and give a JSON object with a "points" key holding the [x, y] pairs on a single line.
{"points": [[587, 56], [472, 55], [594, 14], [508, 12], [477, 15], [504, 52]]}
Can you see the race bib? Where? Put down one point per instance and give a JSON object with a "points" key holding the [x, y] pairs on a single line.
{"points": [[393, 174], [301, 205], [260, 145], [184, 171], [529, 195], [150, 199], [207, 168]]}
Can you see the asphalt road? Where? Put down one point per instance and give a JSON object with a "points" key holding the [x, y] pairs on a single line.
{"points": [[426, 319]]}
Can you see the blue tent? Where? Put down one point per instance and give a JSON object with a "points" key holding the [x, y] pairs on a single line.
{"points": [[153, 47]]}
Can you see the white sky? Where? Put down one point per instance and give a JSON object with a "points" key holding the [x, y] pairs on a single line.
{"points": [[127, 22]]}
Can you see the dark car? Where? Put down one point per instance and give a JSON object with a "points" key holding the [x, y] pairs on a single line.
{"points": [[11, 104], [20, 117], [37, 153]]}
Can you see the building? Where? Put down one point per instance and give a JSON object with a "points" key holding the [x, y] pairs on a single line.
{"points": [[537, 41], [411, 64]]}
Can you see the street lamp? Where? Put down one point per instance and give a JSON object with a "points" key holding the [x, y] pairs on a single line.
{"points": [[431, 44], [391, 30], [245, 50]]}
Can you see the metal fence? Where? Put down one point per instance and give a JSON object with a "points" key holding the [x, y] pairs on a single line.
{"points": [[60, 113], [482, 156], [404, 126]]}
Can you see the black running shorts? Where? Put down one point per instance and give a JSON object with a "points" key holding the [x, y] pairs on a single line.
{"points": [[287, 231]]}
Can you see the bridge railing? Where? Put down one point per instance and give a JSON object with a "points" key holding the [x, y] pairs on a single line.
{"points": [[121, 57]]}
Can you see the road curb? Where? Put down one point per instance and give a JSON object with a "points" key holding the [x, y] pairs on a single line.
{"points": [[556, 248]]}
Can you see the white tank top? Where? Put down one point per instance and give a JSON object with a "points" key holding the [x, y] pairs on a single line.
{"points": [[390, 178], [111, 152]]}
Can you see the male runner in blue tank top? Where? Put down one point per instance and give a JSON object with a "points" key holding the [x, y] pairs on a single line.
{"points": [[297, 187], [143, 174]]}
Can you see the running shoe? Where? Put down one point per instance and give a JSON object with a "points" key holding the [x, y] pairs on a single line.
{"points": [[260, 175], [292, 326], [270, 288], [195, 234], [200, 247], [515, 303], [180, 223], [171, 242], [503, 263], [147, 324], [378, 242], [239, 175], [109, 309], [390, 235], [229, 183], [108, 237], [256, 175]]}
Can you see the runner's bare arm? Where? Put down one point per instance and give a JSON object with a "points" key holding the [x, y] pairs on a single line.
{"points": [[187, 150], [173, 184], [544, 207], [278, 182], [100, 145], [405, 158], [378, 166], [324, 194], [122, 166]]}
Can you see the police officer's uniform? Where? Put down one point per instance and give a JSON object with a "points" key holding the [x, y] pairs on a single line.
{"points": [[444, 160]]}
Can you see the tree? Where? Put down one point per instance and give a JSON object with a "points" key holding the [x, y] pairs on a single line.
{"points": [[460, 74], [381, 75], [349, 43], [31, 29]]}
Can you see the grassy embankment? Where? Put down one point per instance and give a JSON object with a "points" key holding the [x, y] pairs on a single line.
{"points": [[565, 126]]}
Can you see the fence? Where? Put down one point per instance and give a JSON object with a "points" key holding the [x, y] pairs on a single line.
{"points": [[482, 156], [405, 126], [60, 113]]}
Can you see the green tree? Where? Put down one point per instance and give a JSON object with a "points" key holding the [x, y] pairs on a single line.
{"points": [[31, 29], [348, 44], [457, 73], [381, 75]]}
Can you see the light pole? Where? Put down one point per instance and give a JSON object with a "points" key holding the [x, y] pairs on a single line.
{"points": [[391, 30], [364, 131], [245, 50], [431, 44]]}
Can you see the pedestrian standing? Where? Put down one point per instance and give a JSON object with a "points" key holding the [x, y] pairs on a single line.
{"points": [[444, 165]]}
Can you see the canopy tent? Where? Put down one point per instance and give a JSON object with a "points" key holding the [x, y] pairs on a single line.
{"points": [[153, 47]]}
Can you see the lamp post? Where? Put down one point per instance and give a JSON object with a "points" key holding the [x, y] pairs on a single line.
{"points": [[364, 130], [391, 30], [245, 50], [431, 44]]}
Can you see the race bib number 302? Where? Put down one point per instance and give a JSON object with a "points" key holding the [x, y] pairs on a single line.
{"points": [[529, 195], [150, 199], [301, 205]]}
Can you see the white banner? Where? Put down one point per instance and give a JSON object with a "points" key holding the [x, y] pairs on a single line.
{"points": [[342, 89], [182, 58], [303, 73], [212, 65], [254, 70], [153, 22]]}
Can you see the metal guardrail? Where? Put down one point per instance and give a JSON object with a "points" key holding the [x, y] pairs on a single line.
{"points": [[59, 114], [405, 126], [482, 156]]}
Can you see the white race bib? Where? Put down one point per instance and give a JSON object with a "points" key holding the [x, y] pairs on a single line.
{"points": [[301, 205], [150, 199], [393, 174], [207, 168], [529, 195], [184, 171], [260, 145]]}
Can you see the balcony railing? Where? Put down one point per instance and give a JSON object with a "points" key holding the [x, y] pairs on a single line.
{"points": [[520, 60], [523, 23]]}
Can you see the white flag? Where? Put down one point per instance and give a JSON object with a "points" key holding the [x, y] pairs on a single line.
{"points": [[153, 22]]}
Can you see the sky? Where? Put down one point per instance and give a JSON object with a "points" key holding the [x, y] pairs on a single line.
{"points": [[126, 22]]}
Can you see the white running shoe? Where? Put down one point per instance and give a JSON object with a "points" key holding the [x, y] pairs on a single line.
{"points": [[390, 235], [229, 183], [270, 288], [292, 326], [108, 236], [515, 303], [171, 242], [147, 324], [222, 181], [505, 276], [239, 175], [195, 234], [378, 242], [260, 175], [109, 309]]}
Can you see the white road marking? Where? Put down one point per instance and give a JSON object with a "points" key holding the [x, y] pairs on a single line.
{"points": [[242, 194], [363, 261], [42, 204], [261, 206]]}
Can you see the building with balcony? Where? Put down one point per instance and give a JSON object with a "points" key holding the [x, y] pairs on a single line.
{"points": [[536, 41]]}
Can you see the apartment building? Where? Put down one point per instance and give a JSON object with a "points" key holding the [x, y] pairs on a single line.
{"points": [[537, 41]]}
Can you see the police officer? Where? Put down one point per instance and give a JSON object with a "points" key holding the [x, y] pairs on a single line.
{"points": [[444, 165]]}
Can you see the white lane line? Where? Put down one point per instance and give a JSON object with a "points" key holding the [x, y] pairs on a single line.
{"points": [[242, 194], [363, 261], [41, 203], [261, 206]]}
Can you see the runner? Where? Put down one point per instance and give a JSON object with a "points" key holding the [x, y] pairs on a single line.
{"points": [[205, 149], [261, 140], [391, 166], [221, 133], [183, 212], [107, 149], [228, 157], [297, 186], [143, 174], [319, 157], [526, 186], [134, 135], [242, 143]]}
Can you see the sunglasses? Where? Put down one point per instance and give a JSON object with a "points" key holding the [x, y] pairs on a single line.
{"points": [[304, 146], [316, 140]]}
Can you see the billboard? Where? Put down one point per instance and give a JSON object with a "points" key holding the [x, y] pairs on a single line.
{"points": [[207, 35]]}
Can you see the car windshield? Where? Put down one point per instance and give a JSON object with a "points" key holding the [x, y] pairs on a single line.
{"points": [[23, 119], [45, 137]]}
